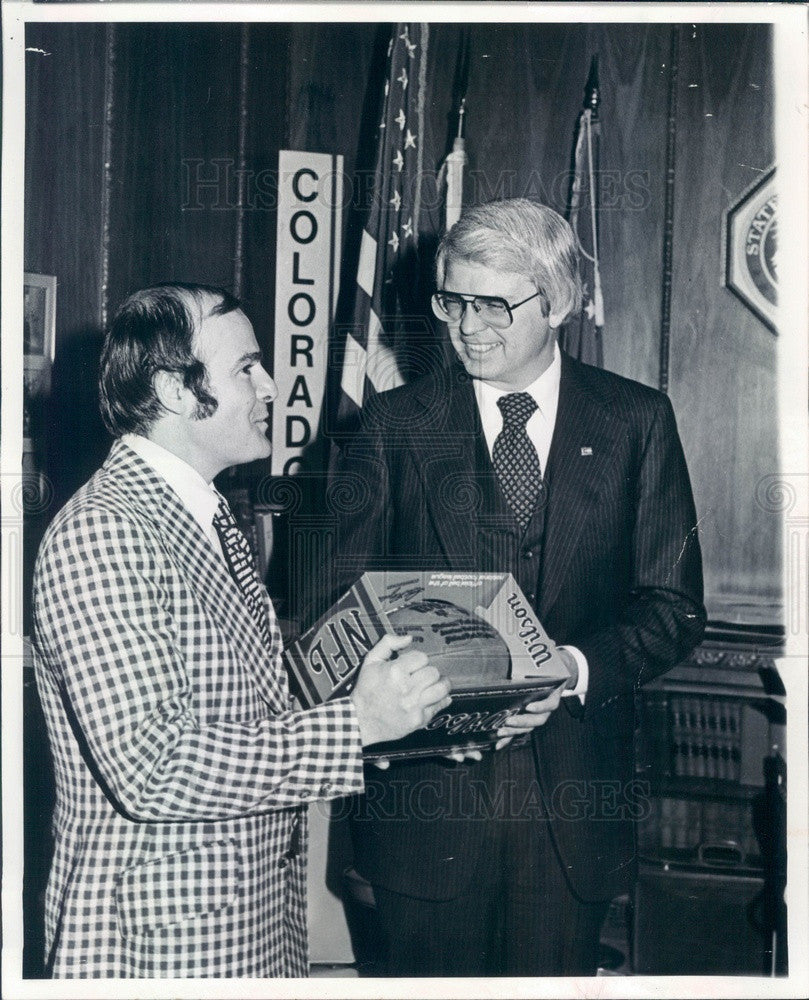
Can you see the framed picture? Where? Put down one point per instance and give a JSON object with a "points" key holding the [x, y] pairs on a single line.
{"points": [[39, 337], [39, 343]]}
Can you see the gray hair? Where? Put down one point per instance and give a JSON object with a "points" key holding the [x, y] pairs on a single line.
{"points": [[524, 237]]}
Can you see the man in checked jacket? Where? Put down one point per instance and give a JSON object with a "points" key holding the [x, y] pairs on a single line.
{"points": [[181, 769]]}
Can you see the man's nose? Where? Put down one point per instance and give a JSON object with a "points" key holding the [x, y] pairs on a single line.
{"points": [[470, 321], [265, 388]]}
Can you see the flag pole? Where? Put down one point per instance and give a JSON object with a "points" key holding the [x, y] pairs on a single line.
{"points": [[582, 334], [454, 166], [592, 99]]}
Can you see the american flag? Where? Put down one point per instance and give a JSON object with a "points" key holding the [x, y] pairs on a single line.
{"points": [[390, 235], [582, 334]]}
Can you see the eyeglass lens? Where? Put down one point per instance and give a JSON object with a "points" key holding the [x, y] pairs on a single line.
{"points": [[491, 310]]}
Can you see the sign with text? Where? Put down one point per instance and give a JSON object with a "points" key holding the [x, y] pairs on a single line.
{"points": [[306, 285]]}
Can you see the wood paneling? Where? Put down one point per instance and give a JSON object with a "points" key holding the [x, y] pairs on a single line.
{"points": [[63, 164], [63, 215], [723, 382], [175, 151], [267, 117], [634, 87]]}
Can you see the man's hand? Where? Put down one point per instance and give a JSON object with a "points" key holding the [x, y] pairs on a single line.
{"points": [[535, 714], [572, 665], [463, 754], [393, 697]]}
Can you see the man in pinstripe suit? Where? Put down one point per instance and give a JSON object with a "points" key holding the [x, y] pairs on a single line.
{"points": [[181, 768], [573, 479]]}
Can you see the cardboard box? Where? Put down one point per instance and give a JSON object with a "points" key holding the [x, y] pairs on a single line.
{"points": [[476, 628]]}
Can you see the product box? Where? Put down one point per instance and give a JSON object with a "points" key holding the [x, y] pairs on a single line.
{"points": [[478, 629]]}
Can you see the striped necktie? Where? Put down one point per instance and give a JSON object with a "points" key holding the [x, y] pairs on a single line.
{"points": [[239, 559], [515, 458]]}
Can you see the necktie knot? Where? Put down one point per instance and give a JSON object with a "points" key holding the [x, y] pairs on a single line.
{"points": [[223, 519], [516, 408]]}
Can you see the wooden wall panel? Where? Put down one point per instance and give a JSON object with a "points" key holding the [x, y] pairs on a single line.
{"points": [[723, 364], [63, 163], [63, 229], [267, 121], [634, 74], [175, 124], [517, 101], [329, 69], [65, 114]]}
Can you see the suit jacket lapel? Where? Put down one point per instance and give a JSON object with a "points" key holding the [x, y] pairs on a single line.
{"points": [[585, 437], [206, 573], [461, 490]]}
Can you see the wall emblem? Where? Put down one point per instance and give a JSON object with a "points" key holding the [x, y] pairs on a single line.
{"points": [[751, 233]]}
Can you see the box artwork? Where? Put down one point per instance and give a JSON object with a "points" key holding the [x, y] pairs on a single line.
{"points": [[478, 629]]}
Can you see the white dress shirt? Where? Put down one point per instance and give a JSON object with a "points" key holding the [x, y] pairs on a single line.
{"points": [[539, 428], [201, 499]]}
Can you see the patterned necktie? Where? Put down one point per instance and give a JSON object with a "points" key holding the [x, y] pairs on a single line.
{"points": [[515, 457], [239, 559]]}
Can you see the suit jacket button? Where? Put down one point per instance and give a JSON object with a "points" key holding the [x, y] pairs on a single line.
{"points": [[528, 554]]}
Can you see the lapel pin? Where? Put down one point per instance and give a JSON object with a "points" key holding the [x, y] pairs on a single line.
{"points": [[587, 451]]}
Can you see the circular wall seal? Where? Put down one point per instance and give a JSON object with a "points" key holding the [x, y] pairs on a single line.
{"points": [[751, 233]]}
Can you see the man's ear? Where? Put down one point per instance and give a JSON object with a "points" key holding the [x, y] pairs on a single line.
{"points": [[171, 392], [555, 320]]}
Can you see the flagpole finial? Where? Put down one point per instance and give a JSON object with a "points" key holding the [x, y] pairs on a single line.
{"points": [[592, 94]]}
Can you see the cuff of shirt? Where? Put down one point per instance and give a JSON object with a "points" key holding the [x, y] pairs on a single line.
{"points": [[584, 673]]}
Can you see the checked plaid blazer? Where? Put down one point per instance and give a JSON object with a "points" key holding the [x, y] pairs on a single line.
{"points": [[180, 767]]}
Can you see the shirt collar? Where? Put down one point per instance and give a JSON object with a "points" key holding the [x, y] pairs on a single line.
{"points": [[199, 497], [544, 390]]}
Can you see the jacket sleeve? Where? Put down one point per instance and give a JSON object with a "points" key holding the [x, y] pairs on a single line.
{"points": [[113, 654], [664, 617]]}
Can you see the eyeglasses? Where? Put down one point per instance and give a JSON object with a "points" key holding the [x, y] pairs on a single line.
{"points": [[493, 310]]}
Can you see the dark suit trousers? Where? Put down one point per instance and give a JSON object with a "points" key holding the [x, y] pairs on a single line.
{"points": [[519, 917]]}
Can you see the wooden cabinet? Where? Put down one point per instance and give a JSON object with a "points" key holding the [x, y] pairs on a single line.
{"points": [[712, 839]]}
